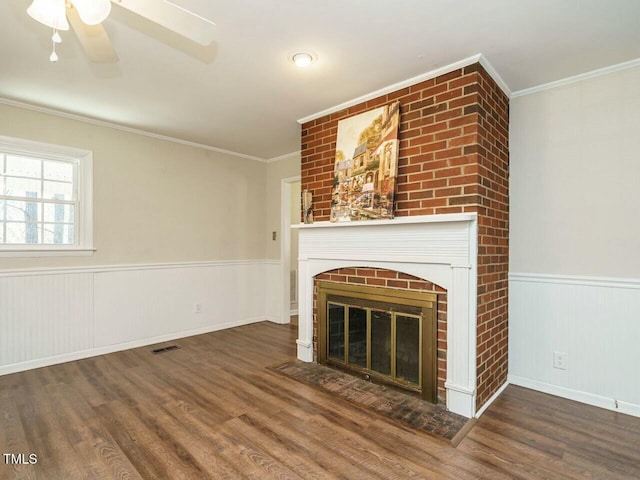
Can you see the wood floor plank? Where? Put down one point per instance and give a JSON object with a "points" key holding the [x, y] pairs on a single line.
{"points": [[213, 409], [284, 449]]}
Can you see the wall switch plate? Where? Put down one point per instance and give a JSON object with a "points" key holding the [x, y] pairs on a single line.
{"points": [[560, 360], [273, 235], [197, 308]]}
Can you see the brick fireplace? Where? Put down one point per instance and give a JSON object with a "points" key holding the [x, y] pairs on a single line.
{"points": [[452, 175]]}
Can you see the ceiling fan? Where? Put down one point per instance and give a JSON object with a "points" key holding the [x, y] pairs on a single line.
{"points": [[86, 16]]}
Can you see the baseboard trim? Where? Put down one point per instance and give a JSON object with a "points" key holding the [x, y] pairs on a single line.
{"points": [[94, 352], [493, 397], [277, 320], [577, 395]]}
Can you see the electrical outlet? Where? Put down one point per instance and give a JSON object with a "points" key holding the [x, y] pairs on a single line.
{"points": [[274, 235], [560, 360], [197, 308]]}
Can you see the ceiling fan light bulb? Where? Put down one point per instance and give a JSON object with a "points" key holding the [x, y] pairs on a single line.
{"points": [[302, 59], [51, 13], [56, 38], [92, 12]]}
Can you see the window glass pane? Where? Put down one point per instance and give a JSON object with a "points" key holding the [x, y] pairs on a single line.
{"points": [[336, 331], [58, 213], [22, 233], [58, 190], [408, 348], [23, 211], [57, 234], [381, 342], [58, 171], [358, 336], [23, 166], [40, 200], [22, 187]]}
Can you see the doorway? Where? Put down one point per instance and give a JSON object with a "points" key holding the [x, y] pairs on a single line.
{"points": [[290, 215]]}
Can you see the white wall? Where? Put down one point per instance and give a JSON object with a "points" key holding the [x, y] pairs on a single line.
{"points": [[174, 226], [155, 201], [575, 240], [55, 315]]}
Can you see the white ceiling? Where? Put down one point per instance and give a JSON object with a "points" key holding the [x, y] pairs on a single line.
{"points": [[243, 95]]}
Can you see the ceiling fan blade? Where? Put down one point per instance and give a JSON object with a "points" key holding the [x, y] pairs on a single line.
{"points": [[174, 18], [93, 38]]}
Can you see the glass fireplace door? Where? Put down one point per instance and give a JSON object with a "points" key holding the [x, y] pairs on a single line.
{"points": [[380, 342]]}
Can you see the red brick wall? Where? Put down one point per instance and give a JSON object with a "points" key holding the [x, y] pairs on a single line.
{"points": [[453, 158], [438, 160], [380, 277], [493, 238]]}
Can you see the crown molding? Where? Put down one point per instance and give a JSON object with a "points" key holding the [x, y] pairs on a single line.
{"points": [[578, 78], [122, 128], [478, 58], [493, 73], [283, 157]]}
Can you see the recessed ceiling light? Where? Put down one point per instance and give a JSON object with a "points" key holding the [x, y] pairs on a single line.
{"points": [[302, 59]]}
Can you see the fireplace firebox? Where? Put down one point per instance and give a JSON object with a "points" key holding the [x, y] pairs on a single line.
{"points": [[384, 334]]}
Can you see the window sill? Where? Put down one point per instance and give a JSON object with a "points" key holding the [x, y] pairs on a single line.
{"points": [[47, 252]]}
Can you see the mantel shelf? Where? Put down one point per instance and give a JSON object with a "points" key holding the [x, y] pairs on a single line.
{"points": [[440, 218]]}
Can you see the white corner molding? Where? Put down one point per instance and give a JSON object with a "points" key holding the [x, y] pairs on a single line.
{"points": [[578, 78], [478, 58], [283, 157], [495, 75], [439, 248], [123, 128]]}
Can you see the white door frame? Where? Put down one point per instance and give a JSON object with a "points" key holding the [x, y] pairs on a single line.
{"points": [[285, 245]]}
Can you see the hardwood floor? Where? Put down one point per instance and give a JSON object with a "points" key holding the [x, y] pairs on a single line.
{"points": [[212, 410]]}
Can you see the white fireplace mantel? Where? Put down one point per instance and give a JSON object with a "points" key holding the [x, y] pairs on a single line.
{"points": [[439, 248]]}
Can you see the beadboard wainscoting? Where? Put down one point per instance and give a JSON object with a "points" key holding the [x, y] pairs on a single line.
{"points": [[594, 321], [50, 316]]}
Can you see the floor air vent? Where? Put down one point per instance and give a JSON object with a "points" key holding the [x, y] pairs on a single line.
{"points": [[165, 349]]}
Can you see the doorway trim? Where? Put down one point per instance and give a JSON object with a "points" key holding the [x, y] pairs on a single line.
{"points": [[285, 245]]}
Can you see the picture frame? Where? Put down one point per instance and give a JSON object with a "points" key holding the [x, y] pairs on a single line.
{"points": [[366, 165]]}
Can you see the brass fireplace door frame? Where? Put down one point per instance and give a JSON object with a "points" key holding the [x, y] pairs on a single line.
{"points": [[422, 304]]}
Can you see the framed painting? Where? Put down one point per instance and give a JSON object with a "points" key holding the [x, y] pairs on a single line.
{"points": [[366, 165]]}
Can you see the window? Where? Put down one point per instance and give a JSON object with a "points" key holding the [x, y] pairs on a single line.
{"points": [[45, 199]]}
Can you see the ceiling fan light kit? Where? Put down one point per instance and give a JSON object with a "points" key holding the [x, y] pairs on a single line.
{"points": [[85, 17], [51, 13]]}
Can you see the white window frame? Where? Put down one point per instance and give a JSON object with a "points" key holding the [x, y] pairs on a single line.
{"points": [[83, 230]]}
